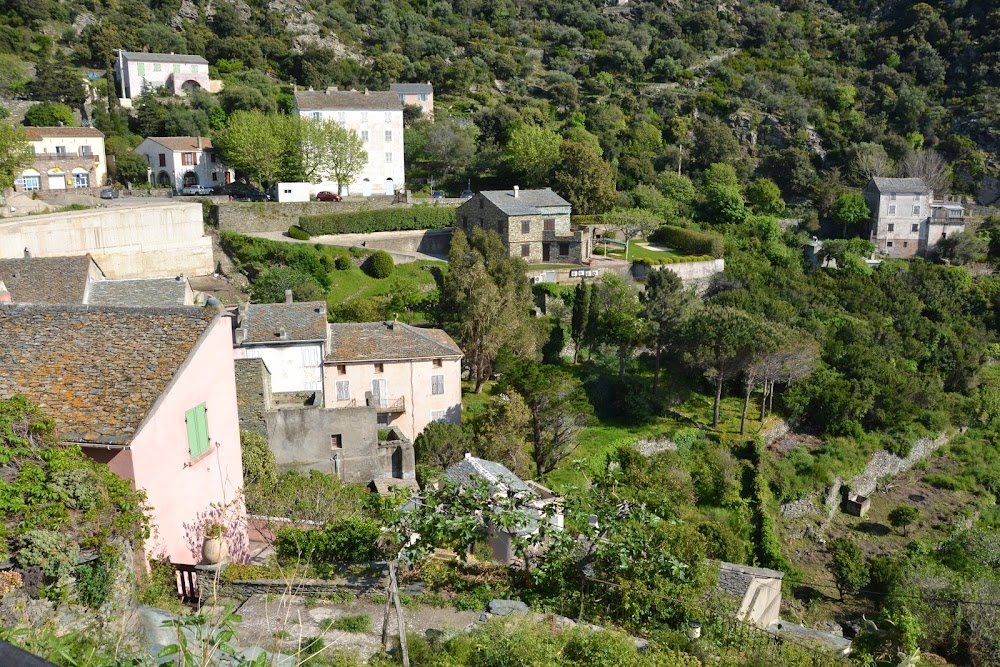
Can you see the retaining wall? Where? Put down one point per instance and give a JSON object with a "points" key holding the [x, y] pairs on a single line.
{"points": [[249, 217], [148, 241]]}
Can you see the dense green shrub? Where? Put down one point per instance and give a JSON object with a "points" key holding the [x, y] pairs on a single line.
{"points": [[51, 550], [348, 541], [380, 265], [342, 263], [383, 220], [258, 459], [688, 240], [298, 233], [93, 582]]}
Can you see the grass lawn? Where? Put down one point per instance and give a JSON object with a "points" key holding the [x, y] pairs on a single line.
{"points": [[635, 251], [353, 282]]}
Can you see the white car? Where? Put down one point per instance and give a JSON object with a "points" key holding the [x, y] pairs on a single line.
{"points": [[196, 190]]}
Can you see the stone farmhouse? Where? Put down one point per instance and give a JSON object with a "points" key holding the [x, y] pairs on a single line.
{"points": [[377, 117], [184, 161], [416, 94], [66, 158], [150, 393], [79, 280], [907, 219], [178, 73], [534, 224], [410, 376]]}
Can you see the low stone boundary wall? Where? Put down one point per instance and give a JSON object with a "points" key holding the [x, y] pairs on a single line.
{"points": [[355, 585], [250, 217]]}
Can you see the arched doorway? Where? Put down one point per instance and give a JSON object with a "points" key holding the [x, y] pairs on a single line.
{"points": [[81, 178], [32, 180], [390, 187], [366, 188], [57, 179], [190, 178], [163, 178], [190, 86]]}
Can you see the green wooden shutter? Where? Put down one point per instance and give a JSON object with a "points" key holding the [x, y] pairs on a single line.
{"points": [[197, 430]]}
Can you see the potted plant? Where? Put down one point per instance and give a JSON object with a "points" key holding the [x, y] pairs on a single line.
{"points": [[215, 549]]}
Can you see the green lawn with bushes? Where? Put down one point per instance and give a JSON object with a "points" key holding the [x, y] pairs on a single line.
{"points": [[380, 220]]}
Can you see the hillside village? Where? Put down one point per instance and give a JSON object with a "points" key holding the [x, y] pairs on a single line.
{"points": [[524, 335]]}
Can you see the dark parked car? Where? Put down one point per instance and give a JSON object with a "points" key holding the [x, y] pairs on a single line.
{"points": [[467, 194], [250, 194], [109, 193], [437, 194], [325, 195]]}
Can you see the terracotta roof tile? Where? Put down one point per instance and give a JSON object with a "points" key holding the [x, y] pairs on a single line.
{"points": [[46, 279], [96, 370], [300, 321], [182, 143], [39, 133], [348, 99], [377, 341]]}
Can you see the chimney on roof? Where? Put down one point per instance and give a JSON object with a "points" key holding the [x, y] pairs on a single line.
{"points": [[366, 90], [199, 142], [288, 296], [282, 334], [5, 296], [27, 253], [468, 456], [395, 321], [517, 191]]}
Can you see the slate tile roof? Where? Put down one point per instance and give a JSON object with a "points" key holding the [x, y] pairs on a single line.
{"points": [[163, 57], [387, 341], [182, 143], [900, 185], [380, 100], [496, 474], [735, 579], [39, 133], [301, 321], [411, 88], [96, 370], [139, 292], [46, 279], [527, 202]]}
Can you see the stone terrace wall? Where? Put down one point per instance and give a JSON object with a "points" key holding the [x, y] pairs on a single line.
{"points": [[250, 217], [253, 394]]}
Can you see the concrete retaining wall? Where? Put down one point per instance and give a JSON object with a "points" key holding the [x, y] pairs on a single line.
{"points": [[427, 241], [249, 217], [692, 273], [149, 241]]}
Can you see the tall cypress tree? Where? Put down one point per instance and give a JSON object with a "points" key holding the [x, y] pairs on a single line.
{"points": [[590, 335], [581, 310]]}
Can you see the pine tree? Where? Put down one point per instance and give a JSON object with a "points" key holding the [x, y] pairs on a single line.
{"points": [[581, 311], [590, 335]]}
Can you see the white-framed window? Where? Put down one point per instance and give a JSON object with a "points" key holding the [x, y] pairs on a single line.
{"points": [[343, 390], [81, 180], [916, 210], [892, 209], [388, 135], [364, 135], [437, 384], [423, 97], [317, 115], [85, 151], [364, 116], [32, 183], [438, 415], [388, 116], [915, 227], [892, 196], [388, 158]]}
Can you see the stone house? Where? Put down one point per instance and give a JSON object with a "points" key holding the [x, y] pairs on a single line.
{"points": [[178, 73], [416, 94], [377, 118], [907, 219], [184, 161], [533, 497], [66, 158], [79, 280], [150, 393], [411, 376], [533, 224], [757, 590]]}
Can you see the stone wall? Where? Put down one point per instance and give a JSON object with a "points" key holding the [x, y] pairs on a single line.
{"points": [[426, 241], [689, 272], [249, 217], [149, 241], [359, 585], [253, 394]]}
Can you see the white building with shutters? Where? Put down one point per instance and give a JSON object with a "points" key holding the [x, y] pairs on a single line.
{"points": [[377, 117], [290, 338], [176, 73], [66, 158]]}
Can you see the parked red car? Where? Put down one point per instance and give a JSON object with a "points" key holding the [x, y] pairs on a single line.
{"points": [[328, 196]]}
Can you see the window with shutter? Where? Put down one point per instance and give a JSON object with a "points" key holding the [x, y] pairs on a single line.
{"points": [[343, 390], [438, 415], [437, 384], [197, 430]]}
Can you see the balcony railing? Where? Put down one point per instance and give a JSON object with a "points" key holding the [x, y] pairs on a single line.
{"points": [[386, 405], [67, 156]]}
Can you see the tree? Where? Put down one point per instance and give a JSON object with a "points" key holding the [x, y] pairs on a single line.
{"points": [[329, 150], [870, 161], [931, 167], [725, 204], [347, 156], [965, 247], [56, 81], [851, 210], [486, 302], [620, 323], [581, 312], [584, 179], [849, 566], [721, 341], [450, 146], [633, 223], [591, 334], [558, 406], [796, 357], [15, 154], [665, 303], [501, 431], [441, 444], [533, 152], [258, 460], [765, 197], [259, 145], [131, 169], [713, 142], [902, 516], [49, 114]]}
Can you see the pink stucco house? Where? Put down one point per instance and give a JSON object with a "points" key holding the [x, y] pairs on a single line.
{"points": [[412, 376], [151, 393]]}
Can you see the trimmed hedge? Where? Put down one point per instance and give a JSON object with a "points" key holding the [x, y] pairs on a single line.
{"points": [[689, 240], [298, 233], [349, 541], [380, 265], [382, 220], [674, 260], [342, 263]]}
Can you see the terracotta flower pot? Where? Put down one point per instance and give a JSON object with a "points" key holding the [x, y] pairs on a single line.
{"points": [[214, 550]]}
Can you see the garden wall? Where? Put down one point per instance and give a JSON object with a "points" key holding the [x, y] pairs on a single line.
{"points": [[249, 217]]}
